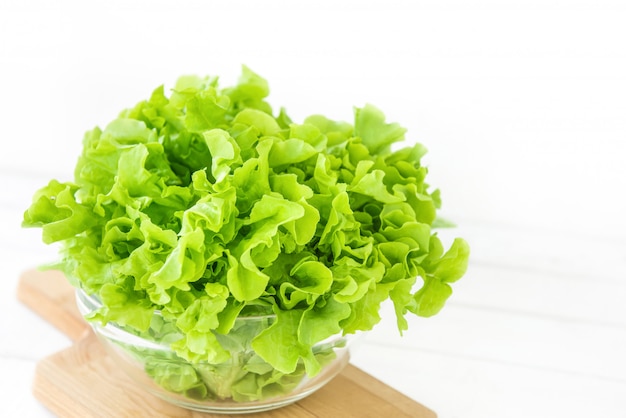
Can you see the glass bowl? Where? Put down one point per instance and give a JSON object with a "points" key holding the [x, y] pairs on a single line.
{"points": [[242, 384]]}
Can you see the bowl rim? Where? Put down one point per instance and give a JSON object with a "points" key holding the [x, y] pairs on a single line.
{"points": [[88, 303], [113, 331]]}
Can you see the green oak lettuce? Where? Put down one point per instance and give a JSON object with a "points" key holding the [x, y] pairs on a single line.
{"points": [[204, 205]]}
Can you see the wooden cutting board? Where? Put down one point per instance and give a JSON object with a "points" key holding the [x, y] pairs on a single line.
{"points": [[82, 381]]}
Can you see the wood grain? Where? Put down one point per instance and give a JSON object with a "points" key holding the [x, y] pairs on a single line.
{"points": [[49, 295], [83, 381]]}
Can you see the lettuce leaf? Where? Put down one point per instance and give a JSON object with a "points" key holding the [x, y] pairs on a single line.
{"points": [[204, 206]]}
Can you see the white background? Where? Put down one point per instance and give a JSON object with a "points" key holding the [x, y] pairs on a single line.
{"points": [[522, 105]]}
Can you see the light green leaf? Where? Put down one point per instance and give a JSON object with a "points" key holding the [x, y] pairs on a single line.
{"points": [[376, 134]]}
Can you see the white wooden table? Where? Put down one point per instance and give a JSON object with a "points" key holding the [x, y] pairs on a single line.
{"points": [[520, 103]]}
